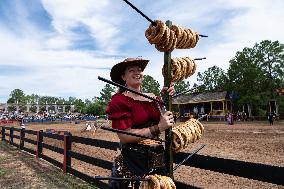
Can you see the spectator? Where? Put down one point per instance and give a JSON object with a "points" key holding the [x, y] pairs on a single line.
{"points": [[270, 118]]}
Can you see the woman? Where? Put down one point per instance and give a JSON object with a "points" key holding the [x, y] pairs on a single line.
{"points": [[139, 115]]}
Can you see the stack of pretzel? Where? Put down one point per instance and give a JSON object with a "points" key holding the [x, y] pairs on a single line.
{"points": [[149, 142], [158, 182], [186, 133], [167, 39], [182, 68]]}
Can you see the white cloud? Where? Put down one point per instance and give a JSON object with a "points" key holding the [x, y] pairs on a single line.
{"points": [[103, 24]]}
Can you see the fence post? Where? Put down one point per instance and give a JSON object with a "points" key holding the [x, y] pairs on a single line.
{"points": [[39, 144], [11, 135], [3, 133], [22, 137], [67, 149]]}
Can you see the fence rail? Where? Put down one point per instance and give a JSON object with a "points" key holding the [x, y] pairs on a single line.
{"points": [[260, 172]]}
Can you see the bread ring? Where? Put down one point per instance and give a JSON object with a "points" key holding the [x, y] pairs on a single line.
{"points": [[188, 40], [180, 65], [193, 132], [194, 67], [173, 43], [170, 42], [175, 64], [188, 132], [169, 179], [183, 40], [192, 38], [164, 40], [159, 31], [150, 34], [183, 135], [188, 66], [155, 184], [196, 38], [201, 126], [165, 180], [177, 31], [177, 140], [184, 68], [197, 130]]}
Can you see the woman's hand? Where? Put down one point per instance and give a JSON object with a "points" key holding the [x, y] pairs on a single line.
{"points": [[170, 89], [166, 121]]}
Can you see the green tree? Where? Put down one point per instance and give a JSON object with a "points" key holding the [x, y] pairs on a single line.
{"points": [[182, 86], [255, 74], [106, 94], [17, 95], [150, 85], [96, 108], [79, 105], [213, 79], [270, 58]]}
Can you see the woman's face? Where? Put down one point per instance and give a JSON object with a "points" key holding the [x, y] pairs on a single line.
{"points": [[133, 76]]}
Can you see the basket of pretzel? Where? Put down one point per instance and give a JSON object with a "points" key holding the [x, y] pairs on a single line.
{"points": [[166, 39], [158, 182], [186, 133], [182, 68]]}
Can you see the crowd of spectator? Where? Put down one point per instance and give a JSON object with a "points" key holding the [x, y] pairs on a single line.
{"points": [[47, 116]]}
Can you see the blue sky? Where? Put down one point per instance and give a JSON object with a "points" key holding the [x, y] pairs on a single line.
{"points": [[59, 48]]}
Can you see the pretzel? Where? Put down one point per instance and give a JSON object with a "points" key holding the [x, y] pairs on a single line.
{"points": [[161, 30], [155, 183], [171, 182], [149, 142], [177, 140], [184, 135], [185, 68], [150, 33], [192, 38], [166, 184], [177, 30], [189, 39], [164, 41], [189, 134], [183, 40], [144, 185], [196, 38], [188, 67]]}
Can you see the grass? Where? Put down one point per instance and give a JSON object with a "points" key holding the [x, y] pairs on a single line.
{"points": [[2, 172]]}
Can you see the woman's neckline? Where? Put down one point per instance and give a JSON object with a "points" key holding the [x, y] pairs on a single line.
{"points": [[146, 100]]}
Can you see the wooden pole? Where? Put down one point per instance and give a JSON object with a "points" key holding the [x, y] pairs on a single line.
{"points": [[67, 149], [168, 99], [22, 137], [39, 144]]}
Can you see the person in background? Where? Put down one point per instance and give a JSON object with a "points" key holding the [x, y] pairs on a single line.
{"points": [[270, 118], [139, 115]]}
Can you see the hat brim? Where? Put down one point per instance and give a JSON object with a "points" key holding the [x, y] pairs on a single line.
{"points": [[118, 70]]}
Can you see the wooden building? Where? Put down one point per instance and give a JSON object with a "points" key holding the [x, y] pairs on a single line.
{"points": [[215, 104]]}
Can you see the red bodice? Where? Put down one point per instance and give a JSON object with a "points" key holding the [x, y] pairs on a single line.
{"points": [[125, 112]]}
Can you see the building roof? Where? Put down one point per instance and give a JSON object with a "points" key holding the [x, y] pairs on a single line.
{"points": [[201, 97]]}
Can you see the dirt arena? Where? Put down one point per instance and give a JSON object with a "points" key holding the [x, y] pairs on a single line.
{"points": [[255, 142]]}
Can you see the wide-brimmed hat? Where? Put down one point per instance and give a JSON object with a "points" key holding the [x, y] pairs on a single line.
{"points": [[118, 70]]}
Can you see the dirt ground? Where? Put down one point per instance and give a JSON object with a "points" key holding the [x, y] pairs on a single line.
{"points": [[21, 170], [255, 142]]}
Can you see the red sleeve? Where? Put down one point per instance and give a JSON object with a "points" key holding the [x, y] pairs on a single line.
{"points": [[119, 111]]}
